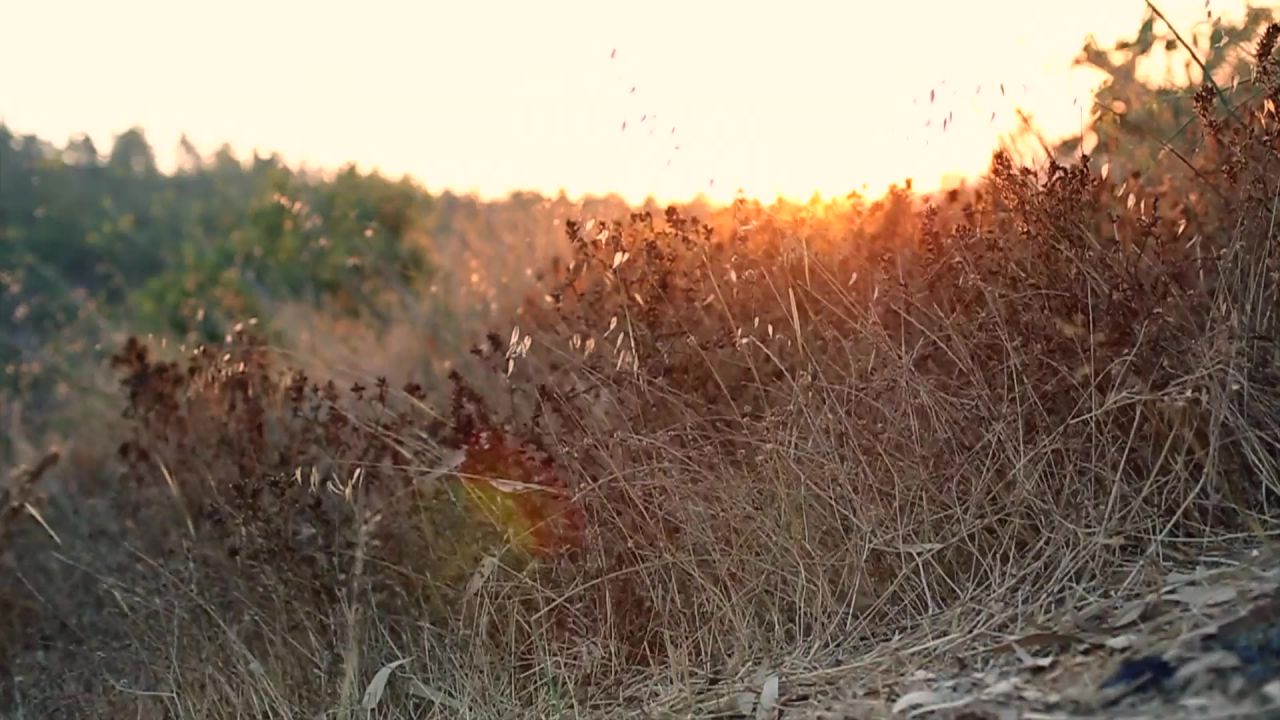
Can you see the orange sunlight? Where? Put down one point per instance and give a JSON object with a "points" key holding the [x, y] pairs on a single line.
{"points": [[664, 99]]}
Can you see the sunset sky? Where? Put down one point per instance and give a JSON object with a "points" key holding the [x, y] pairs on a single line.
{"points": [[490, 97]]}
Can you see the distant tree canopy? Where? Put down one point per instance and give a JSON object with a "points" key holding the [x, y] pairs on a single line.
{"points": [[192, 251]]}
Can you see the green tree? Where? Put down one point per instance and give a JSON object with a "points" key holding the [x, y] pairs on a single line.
{"points": [[1143, 126]]}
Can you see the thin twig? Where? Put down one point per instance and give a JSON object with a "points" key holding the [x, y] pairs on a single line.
{"points": [[1207, 77]]}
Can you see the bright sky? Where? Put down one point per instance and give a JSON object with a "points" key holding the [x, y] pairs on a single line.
{"points": [[489, 97]]}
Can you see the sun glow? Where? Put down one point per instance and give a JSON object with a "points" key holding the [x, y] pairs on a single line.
{"points": [[681, 99]]}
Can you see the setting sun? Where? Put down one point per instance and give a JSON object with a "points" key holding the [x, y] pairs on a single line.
{"points": [[671, 100]]}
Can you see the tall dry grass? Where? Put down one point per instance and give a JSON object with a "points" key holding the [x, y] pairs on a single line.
{"points": [[701, 450]]}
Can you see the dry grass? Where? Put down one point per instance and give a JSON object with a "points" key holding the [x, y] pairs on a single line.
{"points": [[770, 443]]}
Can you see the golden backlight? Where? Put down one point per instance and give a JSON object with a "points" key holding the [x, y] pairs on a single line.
{"points": [[662, 99]]}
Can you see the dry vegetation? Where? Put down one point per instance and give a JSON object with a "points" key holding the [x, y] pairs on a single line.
{"points": [[696, 450]]}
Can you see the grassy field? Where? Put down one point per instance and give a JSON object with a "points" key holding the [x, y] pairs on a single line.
{"points": [[751, 442]]}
